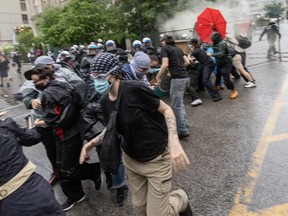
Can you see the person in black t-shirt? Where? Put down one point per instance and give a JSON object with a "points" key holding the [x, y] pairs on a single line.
{"points": [[151, 144], [208, 67], [174, 59]]}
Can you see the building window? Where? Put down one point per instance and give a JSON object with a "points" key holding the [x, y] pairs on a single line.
{"points": [[25, 18], [23, 5]]}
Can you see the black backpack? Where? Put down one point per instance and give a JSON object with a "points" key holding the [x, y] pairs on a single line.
{"points": [[243, 42]]}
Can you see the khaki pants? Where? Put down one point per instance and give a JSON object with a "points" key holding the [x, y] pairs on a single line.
{"points": [[150, 185]]}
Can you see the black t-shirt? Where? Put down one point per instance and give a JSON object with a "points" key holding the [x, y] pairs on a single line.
{"points": [[139, 122], [201, 56], [176, 62]]}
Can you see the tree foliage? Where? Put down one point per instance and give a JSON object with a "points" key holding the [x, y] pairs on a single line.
{"points": [[274, 10], [26, 41], [82, 21]]}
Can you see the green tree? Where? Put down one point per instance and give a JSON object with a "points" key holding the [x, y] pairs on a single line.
{"points": [[26, 40], [82, 21], [274, 10]]}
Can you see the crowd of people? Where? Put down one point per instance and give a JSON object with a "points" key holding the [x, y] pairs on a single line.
{"points": [[72, 98]]}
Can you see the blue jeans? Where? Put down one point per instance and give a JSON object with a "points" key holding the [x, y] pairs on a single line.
{"points": [[177, 91], [118, 180]]}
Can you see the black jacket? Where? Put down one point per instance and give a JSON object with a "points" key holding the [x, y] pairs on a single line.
{"points": [[61, 105], [12, 158]]}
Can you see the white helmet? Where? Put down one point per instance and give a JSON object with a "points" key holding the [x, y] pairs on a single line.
{"points": [[65, 53], [110, 43], [136, 43], [146, 40], [100, 41], [92, 46]]}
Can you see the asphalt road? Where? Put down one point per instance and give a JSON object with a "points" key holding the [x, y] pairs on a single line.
{"points": [[237, 148]]}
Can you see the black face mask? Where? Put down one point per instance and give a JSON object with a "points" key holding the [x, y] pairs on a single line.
{"points": [[40, 86]]}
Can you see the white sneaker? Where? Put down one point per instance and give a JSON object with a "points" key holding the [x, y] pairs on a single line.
{"points": [[196, 102], [250, 84]]}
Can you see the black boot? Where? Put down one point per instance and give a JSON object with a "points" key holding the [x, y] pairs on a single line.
{"points": [[121, 194], [187, 212]]}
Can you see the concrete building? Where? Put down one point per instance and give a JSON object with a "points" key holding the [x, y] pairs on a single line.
{"points": [[17, 14], [14, 14], [36, 7]]}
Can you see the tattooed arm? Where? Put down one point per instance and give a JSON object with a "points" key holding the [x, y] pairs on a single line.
{"points": [[84, 155], [179, 158]]}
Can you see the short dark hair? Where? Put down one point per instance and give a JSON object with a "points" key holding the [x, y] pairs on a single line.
{"points": [[169, 40], [194, 41], [43, 72]]}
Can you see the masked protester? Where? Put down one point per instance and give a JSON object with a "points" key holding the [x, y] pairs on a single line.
{"points": [[224, 63], [102, 86], [61, 105], [150, 141]]}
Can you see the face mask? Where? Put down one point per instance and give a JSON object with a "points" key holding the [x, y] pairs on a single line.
{"points": [[139, 74], [190, 46], [40, 86], [101, 85]]}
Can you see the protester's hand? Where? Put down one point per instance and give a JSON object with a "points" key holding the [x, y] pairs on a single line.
{"points": [[36, 104], [179, 157], [39, 123], [84, 155], [209, 54]]}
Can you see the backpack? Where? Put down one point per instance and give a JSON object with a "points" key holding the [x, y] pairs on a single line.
{"points": [[232, 51], [110, 150], [243, 42]]}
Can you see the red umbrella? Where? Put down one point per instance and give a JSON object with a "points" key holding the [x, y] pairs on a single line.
{"points": [[208, 21]]}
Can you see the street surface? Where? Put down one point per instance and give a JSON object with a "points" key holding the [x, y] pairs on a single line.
{"points": [[237, 148]]}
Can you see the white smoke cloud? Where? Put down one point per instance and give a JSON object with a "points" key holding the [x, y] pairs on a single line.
{"points": [[186, 19]]}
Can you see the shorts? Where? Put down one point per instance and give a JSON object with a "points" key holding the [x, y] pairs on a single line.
{"points": [[3, 74]]}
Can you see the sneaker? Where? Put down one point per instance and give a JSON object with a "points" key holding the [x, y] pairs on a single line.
{"points": [[182, 136], [196, 102], [68, 204], [217, 99], [250, 84], [233, 94]]}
